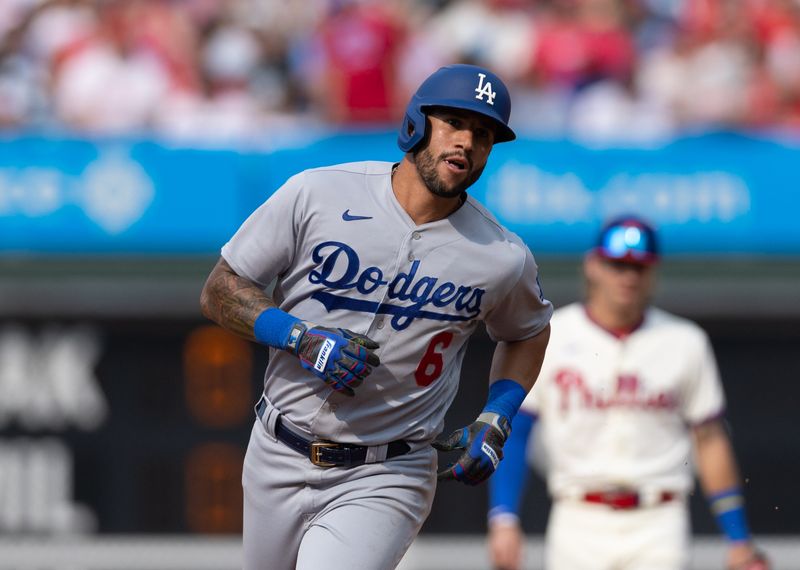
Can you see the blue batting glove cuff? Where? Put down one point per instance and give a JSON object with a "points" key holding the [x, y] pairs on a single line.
{"points": [[502, 517], [274, 328], [505, 399], [728, 509]]}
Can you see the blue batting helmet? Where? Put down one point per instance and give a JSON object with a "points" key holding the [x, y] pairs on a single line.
{"points": [[459, 86], [628, 239]]}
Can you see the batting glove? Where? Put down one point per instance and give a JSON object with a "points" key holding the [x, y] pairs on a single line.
{"points": [[339, 357], [482, 442]]}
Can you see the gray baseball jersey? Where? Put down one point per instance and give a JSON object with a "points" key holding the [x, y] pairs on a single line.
{"points": [[344, 253]]}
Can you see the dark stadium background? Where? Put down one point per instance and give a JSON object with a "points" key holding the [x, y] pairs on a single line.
{"points": [[133, 472]]}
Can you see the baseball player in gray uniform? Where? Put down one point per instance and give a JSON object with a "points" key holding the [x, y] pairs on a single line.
{"points": [[381, 272], [624, 391]]}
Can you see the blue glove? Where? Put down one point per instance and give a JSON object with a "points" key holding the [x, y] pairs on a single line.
{"points": [[482, 442], [339, 357]]}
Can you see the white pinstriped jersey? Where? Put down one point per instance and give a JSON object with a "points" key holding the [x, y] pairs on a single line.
{"points": [[617, 410], [345, 254]]}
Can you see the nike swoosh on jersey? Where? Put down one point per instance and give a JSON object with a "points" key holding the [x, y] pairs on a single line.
{"points": [[348, 217]]}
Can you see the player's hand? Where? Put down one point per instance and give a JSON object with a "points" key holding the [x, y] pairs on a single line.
{"points": [[340, 357], [746, 557], [482, 442], [505, 545]]}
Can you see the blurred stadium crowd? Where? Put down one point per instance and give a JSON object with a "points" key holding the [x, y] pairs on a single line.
{"points": [[223, 70]]}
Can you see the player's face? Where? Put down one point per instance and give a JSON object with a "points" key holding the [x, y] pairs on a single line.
{"points": [[620, 285], [456, 152]]}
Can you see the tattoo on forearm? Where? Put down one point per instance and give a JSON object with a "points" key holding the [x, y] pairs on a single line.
{"points": [[234, 301]]}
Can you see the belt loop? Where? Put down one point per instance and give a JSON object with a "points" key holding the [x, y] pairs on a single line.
{"points": [[268, 416], [376, 453], [649, 497]]}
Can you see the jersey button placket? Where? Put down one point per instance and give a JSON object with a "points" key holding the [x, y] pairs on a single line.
{"points": [[405, 252], [618, 421], [379, 319], [415, 236]]}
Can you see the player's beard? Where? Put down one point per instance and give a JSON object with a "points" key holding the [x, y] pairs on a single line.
{"points": [[426, 166]]}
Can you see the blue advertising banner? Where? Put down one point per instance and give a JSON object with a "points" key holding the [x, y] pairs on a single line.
{"points": [[717, 194], [78, 197]]}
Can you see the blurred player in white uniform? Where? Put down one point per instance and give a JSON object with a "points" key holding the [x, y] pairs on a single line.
{"points": [[382, 271], [626, 390]]}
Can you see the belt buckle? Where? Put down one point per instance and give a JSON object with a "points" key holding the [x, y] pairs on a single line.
{"points": [[315, 453]]}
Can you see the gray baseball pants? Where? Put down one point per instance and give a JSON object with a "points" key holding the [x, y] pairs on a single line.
{"points": [[299, 515]]}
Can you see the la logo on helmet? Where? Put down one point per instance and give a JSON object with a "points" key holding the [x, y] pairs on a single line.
{"points": [[485, 89]]}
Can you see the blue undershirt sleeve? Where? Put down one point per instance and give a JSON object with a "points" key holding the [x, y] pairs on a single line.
{"points": [[507, 484]]}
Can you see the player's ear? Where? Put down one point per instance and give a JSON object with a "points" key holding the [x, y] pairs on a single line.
{"points": [[591, 267]]}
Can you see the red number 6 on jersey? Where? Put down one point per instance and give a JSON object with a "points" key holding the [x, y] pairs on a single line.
{"points": [[430, 367]]}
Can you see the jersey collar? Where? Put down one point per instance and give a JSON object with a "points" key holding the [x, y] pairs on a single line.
{"points": [[619, 334]]}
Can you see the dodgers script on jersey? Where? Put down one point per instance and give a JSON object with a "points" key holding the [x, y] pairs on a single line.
{"points": [[623, 403], [343, 253]]}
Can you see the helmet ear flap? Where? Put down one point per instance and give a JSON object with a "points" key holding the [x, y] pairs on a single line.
{"points": [[413, 129]]}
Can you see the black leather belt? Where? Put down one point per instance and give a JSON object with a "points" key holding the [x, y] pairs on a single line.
{"points": [[328, 453]]}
